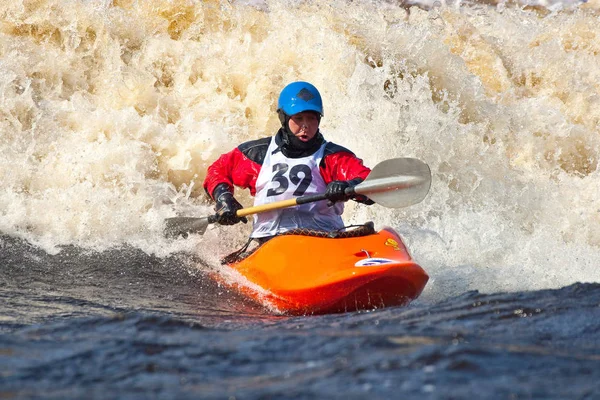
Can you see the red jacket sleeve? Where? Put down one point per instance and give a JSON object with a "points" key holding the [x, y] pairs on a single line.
{"points": [[343, 166], [233, 169]]}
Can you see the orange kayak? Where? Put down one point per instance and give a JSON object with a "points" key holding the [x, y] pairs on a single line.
{"points": [[304, 275]]}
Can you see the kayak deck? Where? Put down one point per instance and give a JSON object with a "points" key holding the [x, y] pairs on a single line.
{"points": [[316, 275]]}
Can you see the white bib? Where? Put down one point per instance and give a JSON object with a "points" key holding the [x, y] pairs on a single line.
{"points": [[282, 178]]}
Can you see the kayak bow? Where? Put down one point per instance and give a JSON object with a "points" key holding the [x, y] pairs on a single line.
{"points": [[315, 275]]}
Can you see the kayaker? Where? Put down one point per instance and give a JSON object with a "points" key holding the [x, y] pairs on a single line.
{"points": [[296, 161]]}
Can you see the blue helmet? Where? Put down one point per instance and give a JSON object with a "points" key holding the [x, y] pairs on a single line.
{"points": [[299, 96]]}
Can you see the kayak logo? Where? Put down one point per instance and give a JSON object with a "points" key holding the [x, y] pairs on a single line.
{"points": [[392, 243], [373, 262]]}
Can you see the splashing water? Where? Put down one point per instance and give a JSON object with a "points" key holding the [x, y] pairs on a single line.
{"points": [[111, 112]]}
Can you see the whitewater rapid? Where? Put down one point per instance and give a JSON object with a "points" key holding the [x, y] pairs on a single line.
{"points": [[111, 111]]}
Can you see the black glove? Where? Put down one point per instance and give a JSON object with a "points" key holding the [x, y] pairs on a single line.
{"points": [[226, 206], [336, 191]]}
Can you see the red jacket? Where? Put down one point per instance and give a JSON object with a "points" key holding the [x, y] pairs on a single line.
{"points": [[240, 167]]}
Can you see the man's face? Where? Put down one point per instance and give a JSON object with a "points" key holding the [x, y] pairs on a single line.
{"points": [[304, 125]]}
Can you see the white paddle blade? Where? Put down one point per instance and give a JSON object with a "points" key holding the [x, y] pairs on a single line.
{"points": [[396, 183]]}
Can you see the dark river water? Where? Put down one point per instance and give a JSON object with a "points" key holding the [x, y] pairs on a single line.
{"points": [[111, 112], [122, 324]]}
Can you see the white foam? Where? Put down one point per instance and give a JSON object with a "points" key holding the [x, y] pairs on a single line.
{"points": [[112, 111]]}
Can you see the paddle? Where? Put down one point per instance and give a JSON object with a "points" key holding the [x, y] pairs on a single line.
{"points": [[394, 183]]}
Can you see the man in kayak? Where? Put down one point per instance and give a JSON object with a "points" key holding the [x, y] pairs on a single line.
{"points": [[296, 161]]}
